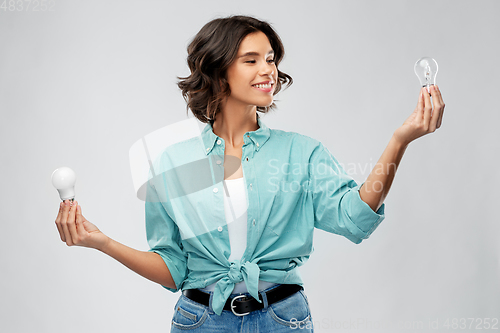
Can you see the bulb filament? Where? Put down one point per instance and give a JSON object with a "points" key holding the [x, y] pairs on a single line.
{"points": [[428, 74]]}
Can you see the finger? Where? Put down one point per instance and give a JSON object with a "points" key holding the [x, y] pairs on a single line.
{"points": [[71, 223], [420, 105], [58, 222], [79, 221], [436, 101], [64, 223], [427, 109], [442, 107], [440, 119], [439, 97]]}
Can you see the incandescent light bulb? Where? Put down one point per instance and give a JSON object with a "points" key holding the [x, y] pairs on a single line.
{"points": [[64, 180], [426, 69]]}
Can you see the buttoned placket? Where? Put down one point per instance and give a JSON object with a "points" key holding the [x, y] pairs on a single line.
{"points": [[217, 155], [248, 154], [251, 186]]}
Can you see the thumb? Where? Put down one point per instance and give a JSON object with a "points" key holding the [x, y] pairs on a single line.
{"points": [[82, 224], [79, 220]]}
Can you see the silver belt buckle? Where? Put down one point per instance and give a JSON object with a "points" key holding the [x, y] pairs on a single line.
{"points": [[234, 306]]}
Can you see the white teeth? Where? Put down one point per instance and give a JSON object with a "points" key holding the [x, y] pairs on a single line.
{"points": [[263, 86]]}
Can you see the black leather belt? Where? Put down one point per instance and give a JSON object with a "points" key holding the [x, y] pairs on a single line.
{"points": [[242, 305]]}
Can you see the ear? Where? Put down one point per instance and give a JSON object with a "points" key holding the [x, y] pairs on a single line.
{"points": [[221, 83], [221, 87]]}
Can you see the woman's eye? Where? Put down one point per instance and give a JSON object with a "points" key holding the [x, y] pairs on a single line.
{"points": [[253, 61]]}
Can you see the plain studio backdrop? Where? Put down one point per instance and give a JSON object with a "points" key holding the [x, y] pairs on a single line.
{"points": [[81, 81]]}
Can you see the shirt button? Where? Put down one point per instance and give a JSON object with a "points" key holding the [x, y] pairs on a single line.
{"points": [[257, 144], [247, 159], [219, 142], [250, 189], [216, 190], [219, 162], [254, 222], [219, 228]]}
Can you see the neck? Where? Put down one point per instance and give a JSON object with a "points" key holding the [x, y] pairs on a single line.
{"points": [[233, 122]]}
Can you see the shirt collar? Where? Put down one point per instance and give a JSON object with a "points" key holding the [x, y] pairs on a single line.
{"points": [[259, 137]]}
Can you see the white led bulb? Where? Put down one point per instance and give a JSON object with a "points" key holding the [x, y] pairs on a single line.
{"points": [[64, 180]]}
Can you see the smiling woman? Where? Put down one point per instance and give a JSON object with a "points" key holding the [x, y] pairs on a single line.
{"points": [[223, 50]]}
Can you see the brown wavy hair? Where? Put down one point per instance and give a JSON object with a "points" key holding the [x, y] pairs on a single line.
{"points": [[210, 54]]}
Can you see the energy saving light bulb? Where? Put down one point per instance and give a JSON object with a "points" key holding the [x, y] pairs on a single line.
{"points": [[426, 70], [64, 180]]}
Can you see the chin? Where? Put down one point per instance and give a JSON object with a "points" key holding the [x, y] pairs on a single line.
{"points": [[266, 104]]}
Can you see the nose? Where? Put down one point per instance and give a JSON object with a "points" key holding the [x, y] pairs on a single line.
{"points": [[267, 69]]}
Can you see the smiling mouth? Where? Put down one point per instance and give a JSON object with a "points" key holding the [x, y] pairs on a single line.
{"points": [[267, 87]]}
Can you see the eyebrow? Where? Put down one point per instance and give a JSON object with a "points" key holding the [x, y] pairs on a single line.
{"points": [[253, 53]]}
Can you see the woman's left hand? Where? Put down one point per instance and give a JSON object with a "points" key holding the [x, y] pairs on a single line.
{"points": [[425, 119]]}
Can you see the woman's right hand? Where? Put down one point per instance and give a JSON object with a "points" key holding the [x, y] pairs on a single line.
{"points": [[74, 229]]}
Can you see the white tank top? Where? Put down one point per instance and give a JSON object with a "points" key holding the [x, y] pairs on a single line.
{"points": [[235, 207]]}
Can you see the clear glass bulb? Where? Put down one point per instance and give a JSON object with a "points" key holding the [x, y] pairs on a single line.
{"points": [[426, 70], [64, 180]]}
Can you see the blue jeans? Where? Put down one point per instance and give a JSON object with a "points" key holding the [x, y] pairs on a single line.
{"points": [[291, 314]]}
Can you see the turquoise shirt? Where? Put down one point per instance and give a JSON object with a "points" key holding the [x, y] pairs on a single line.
{"points": [[294, 184]]}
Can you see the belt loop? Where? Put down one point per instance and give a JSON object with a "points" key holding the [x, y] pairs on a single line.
{"points": [[210, 309], [264, 299]]}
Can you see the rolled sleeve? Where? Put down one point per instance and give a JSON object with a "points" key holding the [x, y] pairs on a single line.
{"points": [[164, 238], [338, 208], [361, 214]]}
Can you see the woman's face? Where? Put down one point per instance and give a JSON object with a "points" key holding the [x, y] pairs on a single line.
{"points": [[253, 74]]}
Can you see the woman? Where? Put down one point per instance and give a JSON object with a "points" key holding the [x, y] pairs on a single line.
{"points": [[234, 245]]}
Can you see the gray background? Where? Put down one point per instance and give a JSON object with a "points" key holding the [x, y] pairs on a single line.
{"points": [[80, 84]]}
